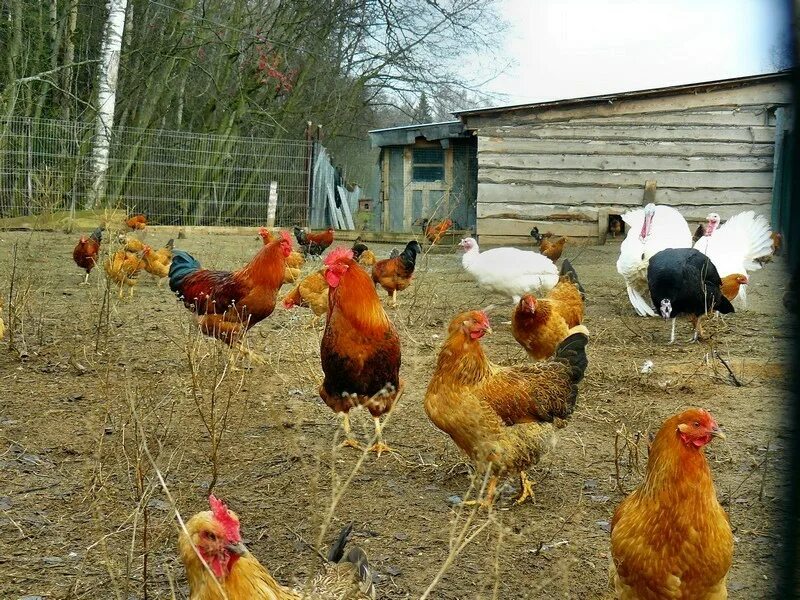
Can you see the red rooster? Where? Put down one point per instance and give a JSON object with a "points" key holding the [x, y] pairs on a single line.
{"points": [[86, 251], [314, 243], [227, 304], [360, 348]]}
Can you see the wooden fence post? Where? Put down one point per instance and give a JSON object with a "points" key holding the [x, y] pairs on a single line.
{"points": [[272, 204]]}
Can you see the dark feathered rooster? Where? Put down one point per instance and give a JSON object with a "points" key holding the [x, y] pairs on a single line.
{"points": [[226, 303], [314, 244], [86, 252], [360, 348], [394, 274]]}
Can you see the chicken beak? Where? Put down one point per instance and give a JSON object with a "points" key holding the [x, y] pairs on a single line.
{"points": [[488, 329], [239, 549], [717, 433]]}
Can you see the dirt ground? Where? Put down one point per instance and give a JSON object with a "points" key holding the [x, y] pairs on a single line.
{"points": [[82, 513]]}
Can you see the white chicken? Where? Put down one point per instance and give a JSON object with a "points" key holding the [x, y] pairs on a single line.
{"points": [[652, 229], [509, 271], [735, 246]]}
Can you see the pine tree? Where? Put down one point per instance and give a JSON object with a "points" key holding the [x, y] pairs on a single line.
{"points": [[423, 112]]}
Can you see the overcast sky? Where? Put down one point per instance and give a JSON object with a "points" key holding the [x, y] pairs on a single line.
{"points": [[569, 48]]}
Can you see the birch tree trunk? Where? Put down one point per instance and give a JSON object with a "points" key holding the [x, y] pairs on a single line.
{"points": [[106, 97]]}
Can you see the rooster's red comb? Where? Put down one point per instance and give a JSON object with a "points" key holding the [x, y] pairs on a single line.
{"points": [[286, 237], [225, 518], [339, 254]]}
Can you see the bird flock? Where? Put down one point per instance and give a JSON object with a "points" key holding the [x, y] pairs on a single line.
{"points": [[669, 539]]}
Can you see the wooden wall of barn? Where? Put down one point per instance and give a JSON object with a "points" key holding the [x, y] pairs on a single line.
{"points": [[565, 169]]}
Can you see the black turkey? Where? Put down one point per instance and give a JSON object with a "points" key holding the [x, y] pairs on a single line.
{"points": [[683, 281]]}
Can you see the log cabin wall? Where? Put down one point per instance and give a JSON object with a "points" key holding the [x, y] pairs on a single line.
{"points": [[565, 166]]}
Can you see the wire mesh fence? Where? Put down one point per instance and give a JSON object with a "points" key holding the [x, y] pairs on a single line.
{"points": [[175, 178]]}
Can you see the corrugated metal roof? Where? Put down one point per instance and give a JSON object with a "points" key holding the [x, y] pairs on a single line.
{"points": [[414, 126], [662, 91], [407, 134]]}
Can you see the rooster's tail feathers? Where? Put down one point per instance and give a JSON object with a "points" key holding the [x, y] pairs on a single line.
{"points": [[573, 352], [568, 271], [183, 265], [97, 234], [356, 556]]}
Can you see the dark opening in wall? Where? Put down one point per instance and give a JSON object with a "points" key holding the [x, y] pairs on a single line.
{"points": [[616, 226]]}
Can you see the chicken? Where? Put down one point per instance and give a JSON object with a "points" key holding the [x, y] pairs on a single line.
{"points": [[360, 348], [157, 262], [294, 262], [314, 244], [541, 325], [86, 252], [312, 292], [652, 229], [731, 283], [551, 249], [218, 564], [737, 245], [683, 281], [130, 243], [227, 304], [671, 538], [363, 255], [123, 268], [616, 225], [394, 274], [777, 243], [503, 418], [509, 271], [434, 230], [136, 222]]}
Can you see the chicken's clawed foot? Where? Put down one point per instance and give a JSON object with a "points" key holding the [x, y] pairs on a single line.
{"points": [[526, 490], [379, 448], [488, 499]]}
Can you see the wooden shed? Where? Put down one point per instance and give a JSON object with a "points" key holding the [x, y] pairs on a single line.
{"points": [[565, 166], [426, 171]]}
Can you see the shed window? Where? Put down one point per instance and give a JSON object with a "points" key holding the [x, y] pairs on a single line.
{"points": [[428, 164]]}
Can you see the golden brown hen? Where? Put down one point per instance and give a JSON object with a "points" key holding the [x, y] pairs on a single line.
{"points": [[503, 418], [540, 325], [671, 538]]}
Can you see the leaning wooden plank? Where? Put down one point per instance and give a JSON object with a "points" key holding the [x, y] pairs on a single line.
{"points": [[753, 134], [676, 179], [608, 162], [345, 210], [659, 148]]}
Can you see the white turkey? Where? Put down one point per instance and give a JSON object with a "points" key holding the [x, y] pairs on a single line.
{"points": [[509, 271], [736, 246], [652, 229]]}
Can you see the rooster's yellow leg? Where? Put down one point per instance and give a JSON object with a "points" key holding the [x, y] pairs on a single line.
{"points": [[379, 447], [488, 498], [526, 488], [348, 442]]}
